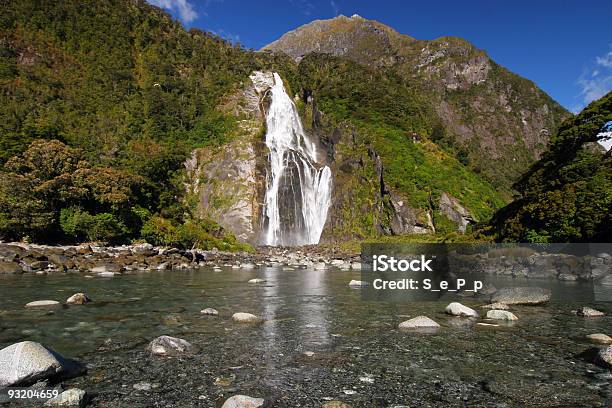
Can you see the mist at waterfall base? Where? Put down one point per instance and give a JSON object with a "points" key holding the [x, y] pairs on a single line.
{"points": [[298, 188]]}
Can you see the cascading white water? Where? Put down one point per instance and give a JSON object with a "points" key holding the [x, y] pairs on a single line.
{"points": [[298, 192]]}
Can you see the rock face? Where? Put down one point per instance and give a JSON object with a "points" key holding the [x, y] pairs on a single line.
{"points": [[419, 322], [229, 181], [501, 315], [457, 309], [521, 296], [245, 318], [452, 208], [25, 363], [243, 401], [170, 346], [447, 66]]}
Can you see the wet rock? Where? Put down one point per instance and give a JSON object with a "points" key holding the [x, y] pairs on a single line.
{"points": [[589, 312], [604, 357], [243, 401], [28, 362], [501, 315], [498, 306], [521, 296], [145, 249], [106, 274], [78, 299], [245, 318], [172, 320], [10, 268], [107, 267], [336, 404], [73, 397], [356, 266], [170, 346], [209, 311], [247, 266], [457, 309], [419, 322], [142, 386], [257, 280], [357, 283], [600, 338], [43, 303]]}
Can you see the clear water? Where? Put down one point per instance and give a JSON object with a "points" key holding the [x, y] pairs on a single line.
{"points": [[298, 191], [359, 355]]}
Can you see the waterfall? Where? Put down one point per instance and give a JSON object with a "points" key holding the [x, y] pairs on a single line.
{"points": [[298, 190]]}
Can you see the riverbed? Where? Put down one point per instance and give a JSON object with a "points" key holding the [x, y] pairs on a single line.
{"points": [[319, 341]]}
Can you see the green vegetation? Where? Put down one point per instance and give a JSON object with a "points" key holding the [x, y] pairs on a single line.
{"points": [[391, 117], [567, 194], [117, 85]]}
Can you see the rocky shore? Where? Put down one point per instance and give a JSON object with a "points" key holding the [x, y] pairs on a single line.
{"points": [[16, 258]]}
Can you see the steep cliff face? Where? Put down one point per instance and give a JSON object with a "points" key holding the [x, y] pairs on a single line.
{"points": [[496, 121], [228, 181]]}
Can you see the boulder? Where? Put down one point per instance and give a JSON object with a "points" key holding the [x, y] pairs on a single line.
{"points": [[604, 357], [457, 309], [600, 338], [498, 306], [419, 322], [243, 401], [209, 311], [589, 312], [501, 315], [73, 397], [245, 318], [78, 299], [10, 268], [145, 249], [170, 346], [28, 362], [43, 303], [521, 296]]}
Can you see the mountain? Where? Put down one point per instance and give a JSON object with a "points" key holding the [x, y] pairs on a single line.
{"points": [[566, 196], [118, 124], [493, 120]]}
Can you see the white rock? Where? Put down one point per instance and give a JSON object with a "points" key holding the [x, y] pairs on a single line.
{"points": [[356, 266], [243, 401], [43, 303], [501, 315], [604, 357], [73, 397], [257, 280], [27, 362], [357, 283], [457, 309], [320, 266], [419, 322], [78, 299], [245, 318], [589, 312], [600, 338], [106, 274], [167, 345], [210, 311], [247, 266]]}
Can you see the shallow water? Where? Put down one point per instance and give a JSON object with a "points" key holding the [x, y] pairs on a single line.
{"points": [[359, 355]]}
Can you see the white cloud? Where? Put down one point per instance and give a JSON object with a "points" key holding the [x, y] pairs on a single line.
{"points": [[184, 8], [597, 81], [334, 7]]}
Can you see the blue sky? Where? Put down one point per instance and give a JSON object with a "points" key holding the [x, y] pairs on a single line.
{"points": [[564, 46]]}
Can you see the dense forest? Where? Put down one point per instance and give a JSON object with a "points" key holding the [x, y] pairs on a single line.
{"points": [[567, 195]]}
